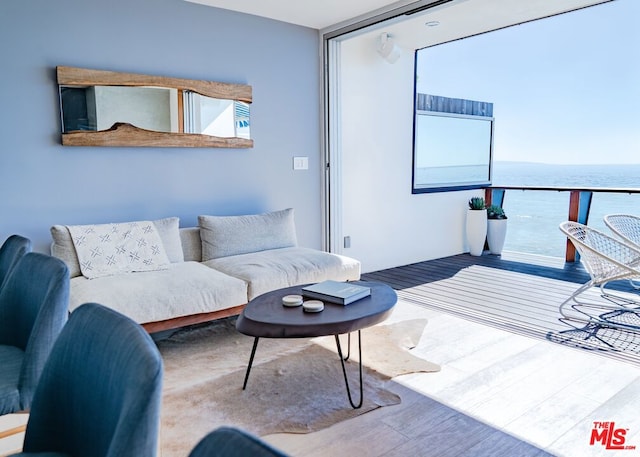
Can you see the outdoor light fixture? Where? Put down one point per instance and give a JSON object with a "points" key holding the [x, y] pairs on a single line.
{"points": [[388, 49]]}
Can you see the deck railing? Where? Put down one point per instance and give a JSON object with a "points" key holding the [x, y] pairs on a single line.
{"points": [[579, 203]]}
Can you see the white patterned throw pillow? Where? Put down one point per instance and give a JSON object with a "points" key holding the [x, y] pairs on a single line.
{"points": [[107, 249]]}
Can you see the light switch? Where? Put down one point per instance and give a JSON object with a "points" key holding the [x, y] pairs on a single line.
{"points": [[301, 163]]}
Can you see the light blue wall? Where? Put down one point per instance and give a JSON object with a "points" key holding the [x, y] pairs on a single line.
{"points": [[43, 183]]}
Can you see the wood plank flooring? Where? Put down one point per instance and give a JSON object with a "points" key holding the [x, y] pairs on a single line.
{"points": [[10, 441], [501, 392]]}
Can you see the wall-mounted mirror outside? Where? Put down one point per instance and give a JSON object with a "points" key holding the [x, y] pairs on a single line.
{"points": [[451, 150], [453, 137], [121, 109]]}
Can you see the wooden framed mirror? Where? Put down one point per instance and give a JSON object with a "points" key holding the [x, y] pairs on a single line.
{"points": [[107, 108]]}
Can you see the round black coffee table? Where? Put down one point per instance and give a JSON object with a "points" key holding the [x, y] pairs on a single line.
{"points": [[266, 317]]}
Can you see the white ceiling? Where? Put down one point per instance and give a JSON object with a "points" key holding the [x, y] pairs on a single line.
{"points": [[316, 14], [463, 18], [321, 14]]}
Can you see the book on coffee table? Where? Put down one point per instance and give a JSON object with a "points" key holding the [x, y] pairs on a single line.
{"points": [[342, 293]]}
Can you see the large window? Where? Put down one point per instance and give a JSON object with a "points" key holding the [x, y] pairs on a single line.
{"points": [[557, 97]]}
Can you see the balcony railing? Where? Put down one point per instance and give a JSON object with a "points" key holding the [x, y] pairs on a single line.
{"points": [[579, 206]]}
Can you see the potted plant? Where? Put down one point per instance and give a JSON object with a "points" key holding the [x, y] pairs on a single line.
{"points": [[496, 228], [476, 227]]}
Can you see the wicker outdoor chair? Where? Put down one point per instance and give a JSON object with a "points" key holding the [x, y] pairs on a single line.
{"points": [[606, 259], [627, 228]]}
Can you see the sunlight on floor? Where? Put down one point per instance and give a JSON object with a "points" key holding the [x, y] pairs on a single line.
{"points": [[541, 392]]}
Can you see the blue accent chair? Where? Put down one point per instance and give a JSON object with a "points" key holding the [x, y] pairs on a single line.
{"points": [[34, 303], [11, 251], [100, 391], [233, 442]]}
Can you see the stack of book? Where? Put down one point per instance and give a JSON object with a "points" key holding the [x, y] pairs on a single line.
{"points": [[342, 293]]}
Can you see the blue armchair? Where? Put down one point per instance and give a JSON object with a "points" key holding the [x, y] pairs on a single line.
{"points": [[100, 391], [11, 251], [34, 302], [233, 442]]}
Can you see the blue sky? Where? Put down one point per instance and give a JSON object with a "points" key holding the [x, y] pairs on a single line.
{"points": [[565, 89]]}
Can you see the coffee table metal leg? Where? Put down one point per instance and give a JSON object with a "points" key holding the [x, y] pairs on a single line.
{"points": [[253, 352], [348, 347], [344, 370]]}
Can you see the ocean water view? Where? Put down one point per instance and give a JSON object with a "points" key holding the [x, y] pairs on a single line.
{"points": [[534, 216]]}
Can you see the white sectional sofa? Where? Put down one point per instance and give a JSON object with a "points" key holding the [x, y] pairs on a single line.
{"points": [[164, 277]]}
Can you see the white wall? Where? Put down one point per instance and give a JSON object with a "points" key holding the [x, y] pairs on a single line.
{"points": [[387, 224]]}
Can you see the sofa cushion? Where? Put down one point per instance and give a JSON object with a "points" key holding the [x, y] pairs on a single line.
{"points": [[224, 236], [108, 249], [63, 248], [185, 288], [191, 244], [265, 271], [169, 231]]}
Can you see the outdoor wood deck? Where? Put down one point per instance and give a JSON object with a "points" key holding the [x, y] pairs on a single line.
{"points": [[517, 292], [514, 288]]}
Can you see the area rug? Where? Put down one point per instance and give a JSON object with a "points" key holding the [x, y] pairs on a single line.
{"points": [[295, 386]]}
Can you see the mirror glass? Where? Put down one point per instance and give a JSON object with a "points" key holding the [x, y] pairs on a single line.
{"points": [[159, 109], [451, 150]]}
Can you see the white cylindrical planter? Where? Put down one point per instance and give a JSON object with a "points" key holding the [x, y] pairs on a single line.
{"points": [[476, 230], [496, 233]]}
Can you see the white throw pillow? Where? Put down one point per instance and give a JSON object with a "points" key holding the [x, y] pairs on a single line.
{"points": [[224, 236], [107, 249]]}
